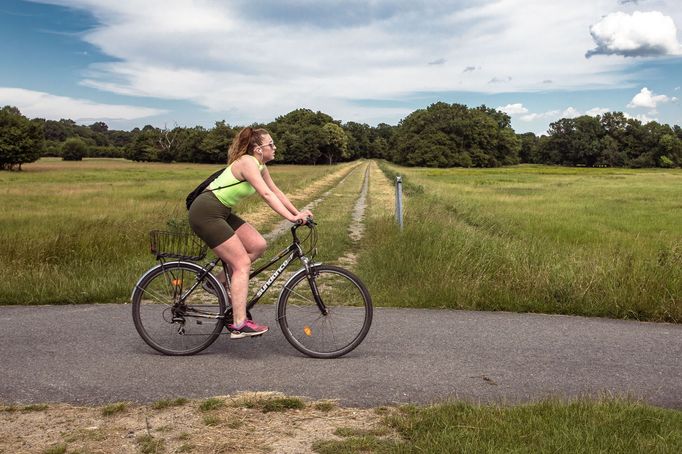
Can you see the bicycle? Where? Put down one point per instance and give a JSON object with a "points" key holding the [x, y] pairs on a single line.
{"points": [[180, 307]]}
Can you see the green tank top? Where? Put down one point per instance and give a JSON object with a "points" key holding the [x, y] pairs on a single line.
{"points": [[232, 195]]}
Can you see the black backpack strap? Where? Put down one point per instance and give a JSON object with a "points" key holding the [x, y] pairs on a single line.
{"points": [[223, 187], [204, 187]]}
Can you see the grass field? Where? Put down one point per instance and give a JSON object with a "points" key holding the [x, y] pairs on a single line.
{"points": [[596, 242], [76, 232]]}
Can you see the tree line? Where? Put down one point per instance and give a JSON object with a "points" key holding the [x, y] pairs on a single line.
{"points": [[609, 140], [441, 135]]}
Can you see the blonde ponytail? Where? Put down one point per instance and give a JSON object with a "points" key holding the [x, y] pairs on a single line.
{"points": [[245, 142]]}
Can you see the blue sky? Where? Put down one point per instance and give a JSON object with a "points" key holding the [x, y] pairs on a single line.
{"points": [[195, 62]]}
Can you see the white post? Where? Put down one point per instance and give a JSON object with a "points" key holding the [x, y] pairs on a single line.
{"points": [[399, 201]]}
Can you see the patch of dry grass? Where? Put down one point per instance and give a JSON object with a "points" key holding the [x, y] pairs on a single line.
{"points": [[239, 424]]}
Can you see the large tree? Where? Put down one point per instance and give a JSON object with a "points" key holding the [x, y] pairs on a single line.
{"points": [[300, 137], [334, 143], [21, 140], [358, 139], [74, 149], [145, 145], [189, 142], [447, 135], [213, 148]]}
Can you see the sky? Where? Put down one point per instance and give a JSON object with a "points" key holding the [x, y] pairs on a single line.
{"points": [[194, 62]]}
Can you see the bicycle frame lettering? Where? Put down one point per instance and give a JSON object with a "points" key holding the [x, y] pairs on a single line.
{"points": [[274, 276]]}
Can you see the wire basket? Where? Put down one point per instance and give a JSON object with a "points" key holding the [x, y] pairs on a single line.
{"points": [[177, 245]]}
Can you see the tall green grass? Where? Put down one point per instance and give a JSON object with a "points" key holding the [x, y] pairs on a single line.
{"points": [[597, 242], [582, 426], [76, 232]]}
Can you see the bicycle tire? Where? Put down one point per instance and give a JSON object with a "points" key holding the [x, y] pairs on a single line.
{"points": [[349, 315], [168, 327]]}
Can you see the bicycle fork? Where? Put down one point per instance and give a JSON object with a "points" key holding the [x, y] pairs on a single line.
{"points": [[310, 276]]}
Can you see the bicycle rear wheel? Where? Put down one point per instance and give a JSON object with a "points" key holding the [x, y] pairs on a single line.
{"points": [[171, 324], [346, 322]]}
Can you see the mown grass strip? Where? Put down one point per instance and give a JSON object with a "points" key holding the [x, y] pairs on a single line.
{"points": [[310, 201], [333, 216]]}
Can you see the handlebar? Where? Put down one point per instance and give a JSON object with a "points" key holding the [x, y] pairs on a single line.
{"points": [[308, 221]]}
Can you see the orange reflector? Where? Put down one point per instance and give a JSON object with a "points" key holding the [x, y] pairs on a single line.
{"points": [[307, 331], [177, 282]]}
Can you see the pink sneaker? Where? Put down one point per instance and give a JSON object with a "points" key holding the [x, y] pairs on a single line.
{"points": [[248, 329]]}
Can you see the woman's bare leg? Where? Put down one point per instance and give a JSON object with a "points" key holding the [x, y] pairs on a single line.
{"points": [[253, 243], [233, 253]]}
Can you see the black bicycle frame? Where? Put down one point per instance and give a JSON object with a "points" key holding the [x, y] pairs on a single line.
{"points": [[293, 250]]}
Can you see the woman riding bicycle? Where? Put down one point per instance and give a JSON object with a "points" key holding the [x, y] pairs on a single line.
{"points": [[232, 239]]}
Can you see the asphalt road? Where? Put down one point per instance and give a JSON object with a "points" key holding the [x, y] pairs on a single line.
{"points": [[92, 354]]}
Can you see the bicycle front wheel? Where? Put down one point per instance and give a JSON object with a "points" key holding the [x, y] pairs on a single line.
{"points": [[325, 314], [173, 318]]}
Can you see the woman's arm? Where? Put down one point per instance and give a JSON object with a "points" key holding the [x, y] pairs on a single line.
{"points": [[280, 195], [247, 170]]}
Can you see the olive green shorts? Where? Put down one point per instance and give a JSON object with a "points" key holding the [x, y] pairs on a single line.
{"points": [[212, 221]]}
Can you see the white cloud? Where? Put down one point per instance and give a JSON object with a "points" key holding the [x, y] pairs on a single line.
{"points": [[52, 107], [513, 109], [569, 112], [641, 117], [252, 62], [549, 115], [259, 62], [647, 99], [637, 35], [593, 112]]}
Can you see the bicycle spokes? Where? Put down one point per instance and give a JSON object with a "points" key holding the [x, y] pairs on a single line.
{"points": [[174, 313], [326, 315]]}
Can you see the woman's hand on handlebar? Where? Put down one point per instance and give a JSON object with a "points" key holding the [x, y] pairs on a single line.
{"points": [[302, 217]]}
